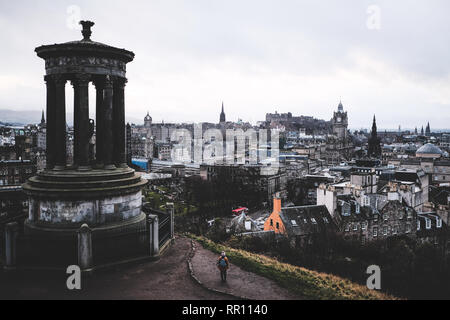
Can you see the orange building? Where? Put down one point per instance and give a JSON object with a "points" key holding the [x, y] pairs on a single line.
{"points": [[274, 221], [301, 224]]}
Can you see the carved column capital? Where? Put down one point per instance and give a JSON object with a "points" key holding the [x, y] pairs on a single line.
{"points": [[108, 82], [81, 79], [120, 82], [56, 79]]}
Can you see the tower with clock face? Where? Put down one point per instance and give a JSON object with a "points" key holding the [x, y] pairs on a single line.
{"points": [[340, 123]]}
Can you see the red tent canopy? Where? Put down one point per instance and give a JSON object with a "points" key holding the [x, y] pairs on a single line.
{"points": [[239, 210]]}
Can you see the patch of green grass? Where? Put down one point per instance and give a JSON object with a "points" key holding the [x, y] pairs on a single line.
{"points": [[306, 283]]}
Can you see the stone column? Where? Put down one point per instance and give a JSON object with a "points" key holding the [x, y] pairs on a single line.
{"points": [[99, 123], [11, 232], [149, 225], [128, 143], [119, 123], [156, 236], [81, 121], [76, 120], [50, 126], [60, 123], [153, 234], [171, 211], [107, 115], [85, 247]]}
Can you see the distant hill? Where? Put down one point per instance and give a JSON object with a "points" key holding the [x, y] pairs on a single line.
{"points": [[17, 118], [23, 117], [13, 117]]}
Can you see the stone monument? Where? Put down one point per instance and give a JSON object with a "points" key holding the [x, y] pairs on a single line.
{"points": [[98, 190]]}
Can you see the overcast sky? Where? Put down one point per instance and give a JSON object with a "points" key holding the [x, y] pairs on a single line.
{"points": [[391, 58]]}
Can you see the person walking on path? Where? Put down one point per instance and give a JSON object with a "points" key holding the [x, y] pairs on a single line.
{"points": [[223, 264]]}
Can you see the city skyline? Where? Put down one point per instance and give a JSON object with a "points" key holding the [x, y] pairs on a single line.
{"points": [[308, 58], [307, 143]]}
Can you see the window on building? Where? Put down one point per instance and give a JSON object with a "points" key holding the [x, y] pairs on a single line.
{"points": [[355, 227], [313, 220], [418, 225], [325, 219], [375, 231], [347, 227], [385, 230], [395, 229], [408, 228], [364, 226], [438, 223], [271, 222], [427, 223], [278, 225], [366, 201]]}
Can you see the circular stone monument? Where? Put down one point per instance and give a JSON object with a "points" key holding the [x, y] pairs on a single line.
{"points": [[97, 188]]}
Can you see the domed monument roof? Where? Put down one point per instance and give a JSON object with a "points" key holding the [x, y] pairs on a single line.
{"points": [[147, 117], [85, 55], [428, 149]]}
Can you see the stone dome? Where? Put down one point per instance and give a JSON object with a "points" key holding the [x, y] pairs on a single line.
{"points": [[428, 149]]}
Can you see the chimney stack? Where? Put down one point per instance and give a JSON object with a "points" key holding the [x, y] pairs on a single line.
{"points": [[277, 203]]}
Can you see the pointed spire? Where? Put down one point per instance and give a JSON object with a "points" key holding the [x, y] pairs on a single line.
{"points": [[222, 115], [42, 118], [340, 106], [374, 127]]}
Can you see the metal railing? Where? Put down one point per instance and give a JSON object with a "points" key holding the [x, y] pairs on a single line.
{"points": [[165, 221], [45, 251]]}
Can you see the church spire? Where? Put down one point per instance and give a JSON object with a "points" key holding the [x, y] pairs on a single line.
{"points": [[374, 146], [42, 118], [374, 127], [222, 115]]}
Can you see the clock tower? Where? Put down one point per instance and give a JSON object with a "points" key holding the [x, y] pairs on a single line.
{"points": [[340, 123]]}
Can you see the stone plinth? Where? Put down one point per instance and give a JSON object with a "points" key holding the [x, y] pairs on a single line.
{"points": [[69, 198]]}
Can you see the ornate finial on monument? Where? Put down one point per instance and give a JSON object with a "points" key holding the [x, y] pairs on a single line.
{"points": [[86, 32]]}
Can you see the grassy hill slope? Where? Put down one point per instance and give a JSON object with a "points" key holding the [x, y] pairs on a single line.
{"points": [[306, 283]]}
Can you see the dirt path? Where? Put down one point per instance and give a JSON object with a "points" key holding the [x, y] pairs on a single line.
{"points": [[167, 278], [239, 282]]}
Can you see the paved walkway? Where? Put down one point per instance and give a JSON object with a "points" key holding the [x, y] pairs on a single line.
{"points": [[239, 282]]}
